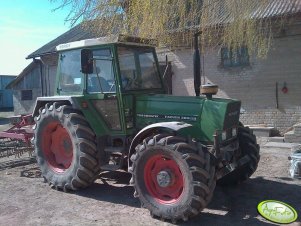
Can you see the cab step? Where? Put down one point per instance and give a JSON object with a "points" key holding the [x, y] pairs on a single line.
{"points": [[110, 167], [114, 149]]}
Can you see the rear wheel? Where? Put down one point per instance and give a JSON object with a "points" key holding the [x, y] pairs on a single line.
{"points": [[249, 148], [172, 179], [65, 148]]}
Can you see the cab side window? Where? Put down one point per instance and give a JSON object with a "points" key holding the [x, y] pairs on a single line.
{"points": [[102, 80]]}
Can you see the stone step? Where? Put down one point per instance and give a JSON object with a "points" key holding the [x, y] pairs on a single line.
{"points": [[290, 146], [297, 125], [297, 130], [291, 137], [262, 131], [276, 139]]}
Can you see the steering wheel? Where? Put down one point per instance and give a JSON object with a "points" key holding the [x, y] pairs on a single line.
{"points": [[126, 83]]}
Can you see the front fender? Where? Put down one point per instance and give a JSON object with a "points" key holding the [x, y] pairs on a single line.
{"points": [[41, 101], [169, 127]]}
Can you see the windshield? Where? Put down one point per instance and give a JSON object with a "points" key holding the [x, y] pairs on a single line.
{"points": [[71, 80], [138, 69]]}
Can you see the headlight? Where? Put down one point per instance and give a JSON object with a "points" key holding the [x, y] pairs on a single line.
{"points": [[224, 135], [234, 132]]}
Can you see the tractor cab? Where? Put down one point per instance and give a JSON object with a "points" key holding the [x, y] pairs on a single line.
{"points": [[122, 65]]}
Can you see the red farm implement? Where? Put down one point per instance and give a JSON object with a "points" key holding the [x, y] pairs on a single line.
{"points": [[16, 140]]}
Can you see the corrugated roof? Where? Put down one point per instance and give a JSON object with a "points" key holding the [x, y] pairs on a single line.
{"points": [[74, 34], [219, 15], [22, 74], [274, 8]]}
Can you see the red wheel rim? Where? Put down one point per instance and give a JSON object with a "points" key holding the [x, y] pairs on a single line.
{"points": [[163, 179], [57, 147]]}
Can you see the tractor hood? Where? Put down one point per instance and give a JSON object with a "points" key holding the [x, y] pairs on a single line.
{"points": [[206, 115]]}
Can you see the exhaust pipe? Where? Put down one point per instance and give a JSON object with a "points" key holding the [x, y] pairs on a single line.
{"points": [[206, 89], [197, 65]]}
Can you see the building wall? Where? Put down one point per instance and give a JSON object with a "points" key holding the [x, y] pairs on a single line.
{"points": [[254, 85], [23, 107], [40, 79], [6, 95], [30, 81]]}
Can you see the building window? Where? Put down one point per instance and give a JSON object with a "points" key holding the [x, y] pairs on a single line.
{"points": [[26, 94], [235, 57]]}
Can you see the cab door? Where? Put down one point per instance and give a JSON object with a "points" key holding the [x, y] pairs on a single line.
{"points": [[101, 91]]}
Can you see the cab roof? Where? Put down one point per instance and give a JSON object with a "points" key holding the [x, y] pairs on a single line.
{"points": [[113, 39]]}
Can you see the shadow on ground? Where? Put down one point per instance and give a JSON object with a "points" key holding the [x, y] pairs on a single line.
{"points": [[237, 205], [112, 187], [229, 206]]}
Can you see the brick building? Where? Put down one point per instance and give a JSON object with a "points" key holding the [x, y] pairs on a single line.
{"points": [[268, 88]]}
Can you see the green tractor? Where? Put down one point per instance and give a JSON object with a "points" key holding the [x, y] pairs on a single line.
{"points": [[111, 112]]}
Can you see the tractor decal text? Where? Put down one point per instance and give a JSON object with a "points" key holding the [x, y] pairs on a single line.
{"points": [[173, 117]]}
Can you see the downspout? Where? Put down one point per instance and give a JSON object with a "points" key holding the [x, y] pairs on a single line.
{"points": [[277, 96], [41, 73], [47, 85]]}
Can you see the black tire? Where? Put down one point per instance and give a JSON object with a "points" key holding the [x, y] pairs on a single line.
{"points": [[195, 167], [248, 147], [81, 151]]}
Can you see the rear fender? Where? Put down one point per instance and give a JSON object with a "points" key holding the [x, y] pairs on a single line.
{"points": [[167, 127]]}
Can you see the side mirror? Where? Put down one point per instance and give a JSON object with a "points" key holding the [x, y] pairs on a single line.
{"points": [[87, 61]]}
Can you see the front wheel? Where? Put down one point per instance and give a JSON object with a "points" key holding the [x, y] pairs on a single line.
{"points": [[65, 148], [172, 179]]}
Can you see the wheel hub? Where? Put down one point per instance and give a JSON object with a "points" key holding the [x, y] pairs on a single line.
{"points": [[164, 179]]}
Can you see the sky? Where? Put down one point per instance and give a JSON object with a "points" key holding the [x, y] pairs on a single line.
{"points": [[25, 26]]}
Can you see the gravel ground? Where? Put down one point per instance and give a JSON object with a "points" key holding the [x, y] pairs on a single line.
{"points": [[26, 200]]}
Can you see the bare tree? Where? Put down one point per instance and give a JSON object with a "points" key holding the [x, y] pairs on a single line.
{"points": [[173, 22]]}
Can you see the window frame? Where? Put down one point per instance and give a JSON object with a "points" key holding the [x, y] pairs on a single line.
{"points": [[238, 57], [28, 96]]}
